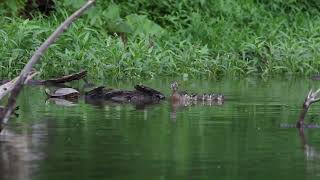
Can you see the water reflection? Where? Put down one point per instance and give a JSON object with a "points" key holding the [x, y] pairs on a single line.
{"points": [[62, 102], [20, 151], [239, 139], [180, 105], [312, 155]]}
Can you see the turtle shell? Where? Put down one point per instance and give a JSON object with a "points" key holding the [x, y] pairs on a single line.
{"points": [[65, 93]]}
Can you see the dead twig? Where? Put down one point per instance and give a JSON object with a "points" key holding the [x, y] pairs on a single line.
{"points": [[18, 84], [313, 96]]}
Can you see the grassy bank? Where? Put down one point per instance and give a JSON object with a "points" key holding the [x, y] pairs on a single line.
{"points": [[169, 38]]}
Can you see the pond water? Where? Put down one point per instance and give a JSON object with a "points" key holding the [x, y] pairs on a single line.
{"points": [[240, 139]]}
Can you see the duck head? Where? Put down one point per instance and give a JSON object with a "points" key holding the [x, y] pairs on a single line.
{"points": [[174, 86]]}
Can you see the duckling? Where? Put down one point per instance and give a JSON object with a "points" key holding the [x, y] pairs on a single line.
{"points": [[204, 97], [211, 97], [185, 97], [194, 97], [219, 97]]}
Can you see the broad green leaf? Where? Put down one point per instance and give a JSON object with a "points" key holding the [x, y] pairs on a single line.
{"points": [[141, 25], [112, 13], [119, 26]]}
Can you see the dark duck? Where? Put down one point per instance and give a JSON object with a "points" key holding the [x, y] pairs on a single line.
{"points": [[141, 95]]}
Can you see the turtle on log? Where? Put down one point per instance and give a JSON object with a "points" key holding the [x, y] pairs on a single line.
{"points": [[63, 93]]}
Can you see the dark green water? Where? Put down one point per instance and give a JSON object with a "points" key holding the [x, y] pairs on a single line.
{"points": [[242, 139]]}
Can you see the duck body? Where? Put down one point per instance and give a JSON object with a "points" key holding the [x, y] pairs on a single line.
{"points": [[178, 96], [175, 97]]}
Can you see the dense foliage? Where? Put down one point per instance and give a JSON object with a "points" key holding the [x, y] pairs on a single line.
{"points": [[147, 38]]}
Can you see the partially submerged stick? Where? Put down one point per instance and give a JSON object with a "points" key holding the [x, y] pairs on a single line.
{"points": [[8, 87], [18, 84], [313, 96]]}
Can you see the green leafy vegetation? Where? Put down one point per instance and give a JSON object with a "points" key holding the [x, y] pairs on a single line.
{"points": [[147, 38]]}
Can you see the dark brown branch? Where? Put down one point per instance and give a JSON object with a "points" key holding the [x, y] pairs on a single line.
{"points": [[303, 137], [35, 58], [67, 78], [303, 114], [59, 80]]}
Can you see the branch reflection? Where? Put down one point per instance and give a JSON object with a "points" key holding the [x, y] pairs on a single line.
{"points": [[20, 151]]}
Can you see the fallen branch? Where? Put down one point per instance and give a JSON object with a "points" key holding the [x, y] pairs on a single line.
{"points": [[67, 78], [18, 84], [8, 86], [313, 96], [59, 80]]}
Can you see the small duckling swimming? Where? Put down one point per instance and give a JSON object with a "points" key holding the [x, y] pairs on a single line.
{"points": [[184, 96]]}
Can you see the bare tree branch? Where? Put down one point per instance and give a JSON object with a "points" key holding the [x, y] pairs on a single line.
{"points": [[8, 87], [18, 84], [312, 97]]}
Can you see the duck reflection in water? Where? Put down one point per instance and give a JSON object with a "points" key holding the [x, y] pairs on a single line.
{"points": [[180, 99]]}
